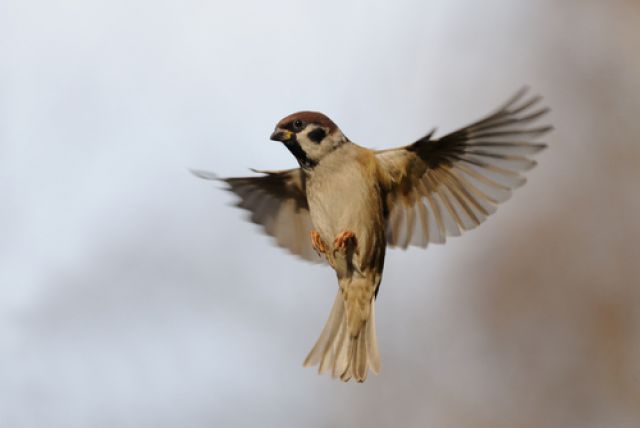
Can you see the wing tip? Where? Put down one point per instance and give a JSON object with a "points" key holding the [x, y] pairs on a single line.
{"points": [[517, 96], [539, 147], [206, 175]]}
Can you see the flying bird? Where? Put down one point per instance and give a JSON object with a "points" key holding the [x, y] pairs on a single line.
{"points": [[345, 204]]}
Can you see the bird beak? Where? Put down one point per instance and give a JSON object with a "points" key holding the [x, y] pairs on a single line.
{"points": [[281, 135]]}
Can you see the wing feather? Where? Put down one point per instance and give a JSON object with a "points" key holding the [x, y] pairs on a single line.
{"points": [[442, 187], [276, 201]]}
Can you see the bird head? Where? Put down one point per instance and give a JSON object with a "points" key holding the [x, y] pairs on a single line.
{"points": [[309, 136]]}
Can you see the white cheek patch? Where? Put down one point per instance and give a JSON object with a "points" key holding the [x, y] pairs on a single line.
{"points": [[316, 150], [317, 134], [311, 143]]}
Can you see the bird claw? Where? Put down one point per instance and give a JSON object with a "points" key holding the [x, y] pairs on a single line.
{"points": [[344, 240], [317, 243]]}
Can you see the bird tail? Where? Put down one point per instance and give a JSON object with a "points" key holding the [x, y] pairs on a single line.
{"points": [[347, 346]]}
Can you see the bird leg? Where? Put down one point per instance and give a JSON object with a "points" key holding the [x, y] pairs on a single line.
{"points": [[344, 240], [317, 242]]}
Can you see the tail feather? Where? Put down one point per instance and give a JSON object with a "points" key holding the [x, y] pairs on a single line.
{"points": [[342, 354], [359, 364], [324, 344], [372, 341]]}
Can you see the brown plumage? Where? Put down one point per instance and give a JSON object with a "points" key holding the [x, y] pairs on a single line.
{"points": [[346, 203], [308, 117]]}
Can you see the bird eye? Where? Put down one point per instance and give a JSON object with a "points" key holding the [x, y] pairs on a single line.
{"points": [[298, 124]]}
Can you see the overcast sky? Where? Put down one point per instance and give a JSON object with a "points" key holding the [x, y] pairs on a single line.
{"points": [[133, 294]]}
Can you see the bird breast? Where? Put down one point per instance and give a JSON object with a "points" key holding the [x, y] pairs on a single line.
{"points": [[343, 194]]}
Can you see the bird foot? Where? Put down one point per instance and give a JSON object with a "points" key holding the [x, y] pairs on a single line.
{"points": [[344, 240], [318, 243]]}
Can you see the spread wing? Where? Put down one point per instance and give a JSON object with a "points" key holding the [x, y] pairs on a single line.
{"points": [[277, 201], [442, 187]]}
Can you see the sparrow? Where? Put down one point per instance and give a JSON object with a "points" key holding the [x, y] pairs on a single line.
{"points": [[345, 204]]}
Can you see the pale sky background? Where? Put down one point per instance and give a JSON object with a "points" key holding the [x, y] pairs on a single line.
{"points": [[133, 295]]}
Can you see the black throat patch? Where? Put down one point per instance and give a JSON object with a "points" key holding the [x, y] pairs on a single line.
{"points": [[300, 155]]}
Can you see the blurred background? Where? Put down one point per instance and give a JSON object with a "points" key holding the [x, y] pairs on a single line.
{"points": [[133, 295]]}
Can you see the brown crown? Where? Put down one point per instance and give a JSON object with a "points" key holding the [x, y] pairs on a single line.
{"points": [[309, 117]]}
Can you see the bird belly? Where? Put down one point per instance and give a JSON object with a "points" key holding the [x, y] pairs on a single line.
{"points": [[353, 206]]}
